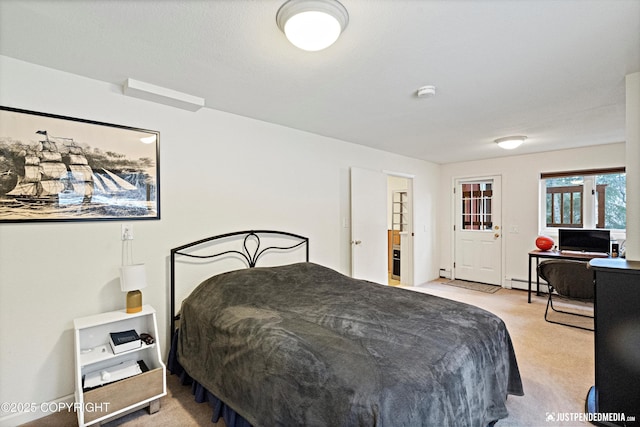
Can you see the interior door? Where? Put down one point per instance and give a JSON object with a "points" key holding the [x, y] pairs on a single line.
{"points": [[369, 225], [478, 230]]}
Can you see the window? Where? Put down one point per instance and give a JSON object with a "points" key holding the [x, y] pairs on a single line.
{"points": [[564, 203], [585, 199], [476, 206]]}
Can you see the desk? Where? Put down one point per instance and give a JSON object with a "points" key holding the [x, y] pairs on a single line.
{"points": [[575, 256]]}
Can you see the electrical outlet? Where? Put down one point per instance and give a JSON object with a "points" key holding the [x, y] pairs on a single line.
{"points": [[127, 232]]}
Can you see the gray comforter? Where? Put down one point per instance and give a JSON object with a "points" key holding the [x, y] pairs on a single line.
{"points": [[303, 345]]}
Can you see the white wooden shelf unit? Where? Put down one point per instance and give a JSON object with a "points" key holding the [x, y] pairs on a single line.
{"points": [[93, 353]]}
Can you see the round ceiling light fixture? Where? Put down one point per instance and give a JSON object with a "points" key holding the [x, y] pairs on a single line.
{"points": [[312, 25], [510, 142]]}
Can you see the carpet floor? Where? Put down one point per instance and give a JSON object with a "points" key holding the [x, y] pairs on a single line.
{"points": [[556, 364]]}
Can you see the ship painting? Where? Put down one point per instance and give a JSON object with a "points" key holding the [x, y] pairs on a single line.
{"points": [[47, 179], [64, 177], [57, 168]]}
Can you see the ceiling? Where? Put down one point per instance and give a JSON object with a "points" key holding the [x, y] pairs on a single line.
{"points": [[552, 70]]}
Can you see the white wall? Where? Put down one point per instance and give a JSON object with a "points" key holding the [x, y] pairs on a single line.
{"points": [[219, 173], [520, 196]]}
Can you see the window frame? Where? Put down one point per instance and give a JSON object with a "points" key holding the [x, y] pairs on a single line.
{"points": [[477, 206], [589, 198]]}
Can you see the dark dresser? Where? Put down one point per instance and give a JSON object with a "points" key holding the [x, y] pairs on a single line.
{"points": [[617, 341]]}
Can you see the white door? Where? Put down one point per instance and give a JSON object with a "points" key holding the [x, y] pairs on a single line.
{"points": [[478, 230], [369, 225]]}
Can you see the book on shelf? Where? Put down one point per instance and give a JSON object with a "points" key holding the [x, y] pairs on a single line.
{"points": [[124, 341]]}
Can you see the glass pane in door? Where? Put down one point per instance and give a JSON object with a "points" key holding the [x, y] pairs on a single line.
{"points": [[476, 205]]}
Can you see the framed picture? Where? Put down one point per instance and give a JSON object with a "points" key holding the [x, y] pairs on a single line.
{"points": [[56, 168]]}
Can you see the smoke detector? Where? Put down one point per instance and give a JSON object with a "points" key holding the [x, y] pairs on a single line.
{"points": [[426, 91]]}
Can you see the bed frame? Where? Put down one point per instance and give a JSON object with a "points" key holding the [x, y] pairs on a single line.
{"points": [[479, 343], [251, 258]]}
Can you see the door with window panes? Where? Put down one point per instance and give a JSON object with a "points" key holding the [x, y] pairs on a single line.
{"points": [[477, 230]]}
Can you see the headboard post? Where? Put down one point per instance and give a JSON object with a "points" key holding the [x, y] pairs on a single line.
{"points": [[172, 323]]}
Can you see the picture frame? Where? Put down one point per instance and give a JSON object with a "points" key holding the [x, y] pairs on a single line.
{"points": [[58, 168]]}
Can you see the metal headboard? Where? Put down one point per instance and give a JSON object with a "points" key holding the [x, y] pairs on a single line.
{"points": [[245, 253]]}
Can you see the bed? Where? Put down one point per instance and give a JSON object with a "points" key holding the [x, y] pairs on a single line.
{"points": [[303, 345]]}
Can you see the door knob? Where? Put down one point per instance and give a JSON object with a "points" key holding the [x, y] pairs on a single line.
{"points": [[356, 242], [496, 235]]}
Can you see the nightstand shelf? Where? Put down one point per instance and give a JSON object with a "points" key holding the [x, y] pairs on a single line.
{"points": [[104, 352], [94, 354]]}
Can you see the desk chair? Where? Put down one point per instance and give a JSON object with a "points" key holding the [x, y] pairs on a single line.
{"points": [[570, 280]]}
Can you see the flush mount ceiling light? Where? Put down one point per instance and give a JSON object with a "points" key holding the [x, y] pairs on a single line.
{"points": [[312, 24], [510, 142]]}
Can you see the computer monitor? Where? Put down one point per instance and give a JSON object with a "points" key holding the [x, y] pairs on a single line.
{"points": [[579, 239]]}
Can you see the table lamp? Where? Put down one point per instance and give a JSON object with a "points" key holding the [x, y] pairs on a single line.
{"points": [[132, 279]]}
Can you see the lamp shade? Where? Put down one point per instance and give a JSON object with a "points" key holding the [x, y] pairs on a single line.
{"points": [[133, 277], [312, 25]]}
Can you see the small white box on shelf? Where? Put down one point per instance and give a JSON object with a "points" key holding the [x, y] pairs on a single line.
{"points": [[118, 372]]}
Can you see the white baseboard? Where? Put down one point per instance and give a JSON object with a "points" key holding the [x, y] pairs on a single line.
{"points": [[524, 285], [21, 413]]}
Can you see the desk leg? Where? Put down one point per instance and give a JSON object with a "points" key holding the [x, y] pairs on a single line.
{"points": [[529, 293], [537, 277]]}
